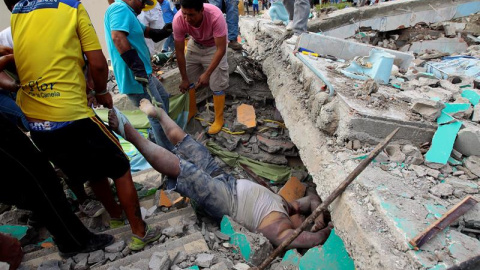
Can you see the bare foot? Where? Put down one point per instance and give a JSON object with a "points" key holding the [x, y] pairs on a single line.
{"points": [[150, 110]]}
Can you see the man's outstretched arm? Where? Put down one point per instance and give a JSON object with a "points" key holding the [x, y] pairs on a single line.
{"points": [[282, 228]]}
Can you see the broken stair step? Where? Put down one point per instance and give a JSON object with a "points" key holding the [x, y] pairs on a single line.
{"points": [[34, 259], [190, 244]]}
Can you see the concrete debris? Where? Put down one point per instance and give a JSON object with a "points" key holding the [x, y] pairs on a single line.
{"points": [[174, 230], [473, 164], [80, 257], [181, 257], [115, 247], [395, 154], [49, 265], [81, 265], [221, 235], [96, 256], [442, 190], [429, 109], [159, 261], [412, 154], [219, 266], [204, 259], [468, 141], [241, 266]]}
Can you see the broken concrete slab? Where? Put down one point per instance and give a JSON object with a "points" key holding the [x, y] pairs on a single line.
{"points": [[254, 248], [347, 50], [390, 16], [272, 146], [473, 164], [468, 140], [429, 109], [447, 45]]}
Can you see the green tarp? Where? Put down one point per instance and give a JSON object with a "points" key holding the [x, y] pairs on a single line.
{"points": [[276, 173]]}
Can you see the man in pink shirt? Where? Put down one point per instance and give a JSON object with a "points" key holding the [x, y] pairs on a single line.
{"points": [[205, 64]]}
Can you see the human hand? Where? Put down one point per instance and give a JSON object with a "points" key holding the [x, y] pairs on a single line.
{"points": [[203, 80], [105, 100], [184, 86], [4, 50]]}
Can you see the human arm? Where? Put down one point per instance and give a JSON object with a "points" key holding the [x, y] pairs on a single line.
{"points": [[282, 228], [7, 82], [221, 44], [158, 34], [111, 2], [130, 56], [98, 71], [4, 50], [181, 62]]}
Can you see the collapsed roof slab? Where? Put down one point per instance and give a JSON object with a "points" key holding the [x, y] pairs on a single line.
{"points": [[378, 213], [393, 15]]}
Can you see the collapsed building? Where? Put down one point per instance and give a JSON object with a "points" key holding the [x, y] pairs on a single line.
{"points": [[400, 64]]}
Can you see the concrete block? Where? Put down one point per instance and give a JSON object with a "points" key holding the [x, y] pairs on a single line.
{"points": [[346, 49], [428, 109], [468, 140], [96, 256], [276, 146], [80, 257], [204, 260], [246, 116], [253, 247], [292, 190], [81, 265], [446, 45], [115, 247], [442, 190], [394, 153], [159, 261], [473, 164], [49, 265], [219, 266]]}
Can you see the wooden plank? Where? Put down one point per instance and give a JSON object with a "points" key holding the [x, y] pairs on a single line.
{"points": [[453, 214]]}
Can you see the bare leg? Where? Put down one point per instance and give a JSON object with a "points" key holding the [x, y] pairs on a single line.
{"points": [[161, 159], [104, 194], [174, 133], [127, 195]]}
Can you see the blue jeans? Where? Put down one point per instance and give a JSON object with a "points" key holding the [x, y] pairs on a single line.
{"points": [[298, 12], [203, 181], [11, 109], [231, 8], [169, 44], [160, 95]]}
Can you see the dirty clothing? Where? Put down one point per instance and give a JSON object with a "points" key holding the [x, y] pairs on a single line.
{"points": [[81, 159], [213, 26], [160, 94], [231, 12], [52, 78], [36, 187], [255, 203], [298, 11], [203, 181], [198, 59], [218, 193]]}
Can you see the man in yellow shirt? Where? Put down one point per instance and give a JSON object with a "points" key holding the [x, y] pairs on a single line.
{"points": [[50, 38]]}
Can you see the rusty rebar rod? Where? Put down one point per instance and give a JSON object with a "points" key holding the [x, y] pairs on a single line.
{"points": [[322, 207]]}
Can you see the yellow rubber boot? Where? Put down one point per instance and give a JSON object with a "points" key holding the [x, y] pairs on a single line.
{"points": [[218, 106], [192, 108]]}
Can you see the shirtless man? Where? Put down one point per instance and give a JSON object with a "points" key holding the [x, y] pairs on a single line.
{"points": [[193, 173]]}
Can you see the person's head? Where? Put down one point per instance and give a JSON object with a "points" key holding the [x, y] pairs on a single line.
{"points": [[192, 11], [10, 4], [138, 5]]}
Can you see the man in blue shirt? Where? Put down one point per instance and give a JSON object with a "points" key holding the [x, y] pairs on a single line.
{"points": [[125, 37], [168, 14]]}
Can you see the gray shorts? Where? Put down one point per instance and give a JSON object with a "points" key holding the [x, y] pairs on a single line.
{"points": [[199, 58], [203, 181]]}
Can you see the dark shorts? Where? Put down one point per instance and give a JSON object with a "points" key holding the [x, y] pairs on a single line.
{"points": [[85, 150], [203, 181]]}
